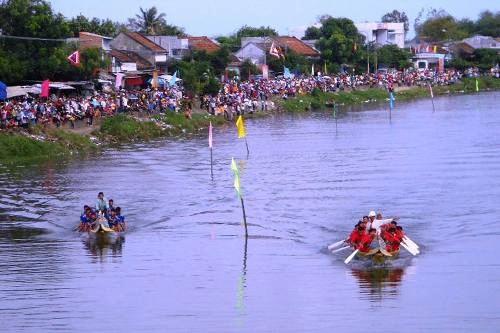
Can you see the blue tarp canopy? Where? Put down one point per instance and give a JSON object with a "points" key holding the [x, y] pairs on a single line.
{"points": [[3, 91]]}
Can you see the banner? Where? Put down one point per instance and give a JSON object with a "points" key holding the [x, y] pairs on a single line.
{"points": [[440, 65], [265, 72], [118, 80], [3, 91], [74, 58], [154, 80], [45, 89], [210, 143], [236, 177], [240, 127]]}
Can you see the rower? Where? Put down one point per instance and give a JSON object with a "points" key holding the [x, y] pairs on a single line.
{"points": [[356, 235], [85, 219], [390, 237], [120, 219], [368, 241]]}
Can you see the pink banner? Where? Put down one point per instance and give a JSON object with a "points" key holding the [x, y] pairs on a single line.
{"points": [[441, 65], [118, 80], [45, 89], [265, 72]]}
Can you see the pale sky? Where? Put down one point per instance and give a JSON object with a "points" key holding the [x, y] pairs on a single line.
{"points": [[223, 17]]}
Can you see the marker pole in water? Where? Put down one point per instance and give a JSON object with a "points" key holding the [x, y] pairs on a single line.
{"points": [[210, 144], [238, 191], [244, 216], [432, 97], [335, 114]]}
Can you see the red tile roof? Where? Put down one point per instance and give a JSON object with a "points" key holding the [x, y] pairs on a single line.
{"points": [[203, 43], [130, 56], [145, 42], [296, 45]]}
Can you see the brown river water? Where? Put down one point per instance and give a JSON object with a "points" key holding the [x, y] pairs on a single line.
{"points": [[184, 265]]}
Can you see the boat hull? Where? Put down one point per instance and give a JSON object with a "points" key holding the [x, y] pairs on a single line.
{"points": [[378, 256]]}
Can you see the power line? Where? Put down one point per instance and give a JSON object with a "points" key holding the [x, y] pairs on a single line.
{"points": [[35, 38]]}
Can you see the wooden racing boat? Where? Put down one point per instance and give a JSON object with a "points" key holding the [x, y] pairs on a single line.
{"points": [[378, 256]]}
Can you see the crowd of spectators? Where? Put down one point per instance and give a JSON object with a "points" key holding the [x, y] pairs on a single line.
{"points": [[234, 97]]}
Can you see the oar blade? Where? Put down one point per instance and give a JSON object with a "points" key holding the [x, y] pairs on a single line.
{"points": [[409, 249], [341, 249], [335, 245], [352, 255]]}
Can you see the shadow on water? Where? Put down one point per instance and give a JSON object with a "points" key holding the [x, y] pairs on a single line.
{"points": [[379, 282], [103, 246]]}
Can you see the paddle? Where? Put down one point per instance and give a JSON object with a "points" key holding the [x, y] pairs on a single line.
{"points": [[411, 250], [348, 259], [341, 249], [337, 244], [409, 241]]}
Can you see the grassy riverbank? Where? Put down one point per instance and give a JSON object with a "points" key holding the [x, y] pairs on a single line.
{"points": [[42, 143], [48, 142], [319, 100]]}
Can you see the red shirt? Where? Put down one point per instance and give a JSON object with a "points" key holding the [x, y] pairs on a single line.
{"points": [[364, 244], [355, 237], [391, 240]]}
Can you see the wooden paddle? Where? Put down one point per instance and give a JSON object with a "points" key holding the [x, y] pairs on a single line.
{"points": [[337, 244], [410, 242], [341, 249], [411, 250], [348, 259]]}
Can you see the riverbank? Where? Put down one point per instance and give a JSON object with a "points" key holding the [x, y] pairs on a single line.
{"points": [[319, 100], [47, 142]]}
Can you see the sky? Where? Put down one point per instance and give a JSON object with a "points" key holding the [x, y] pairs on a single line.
{"points": [[224, 17]]}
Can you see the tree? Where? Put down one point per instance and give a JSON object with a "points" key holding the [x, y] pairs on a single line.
{"points": [[32, 18], [430, 14], [96, 26], [149, 20], [393, 57], [233, 42], [247, 68], [441, 29], [397, 17], [262, 31], [312, 33], [338, 41], [486, 58], [488, 24]]}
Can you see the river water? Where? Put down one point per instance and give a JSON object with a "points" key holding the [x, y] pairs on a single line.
{"points": [[185, 265]]}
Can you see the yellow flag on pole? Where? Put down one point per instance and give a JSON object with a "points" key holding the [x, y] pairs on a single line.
{"points": [[236, 177], [240, 127]]}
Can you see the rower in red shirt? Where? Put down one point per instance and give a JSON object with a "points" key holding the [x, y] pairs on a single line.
{"points": [[366, 241], [391, 238], [356, 235]]}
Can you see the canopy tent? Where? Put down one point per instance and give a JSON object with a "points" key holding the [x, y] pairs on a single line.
{"points": [[164, 80], [3, 91], [16, 91]]}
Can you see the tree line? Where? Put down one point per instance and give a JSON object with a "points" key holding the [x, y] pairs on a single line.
{"points": [[33, 44]]}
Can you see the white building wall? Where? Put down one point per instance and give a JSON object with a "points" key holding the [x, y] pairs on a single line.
{"points": [[383, 33]]}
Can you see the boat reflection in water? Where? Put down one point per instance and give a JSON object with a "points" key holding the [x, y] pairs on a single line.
{"points": [[379, 282], [103, 245]]}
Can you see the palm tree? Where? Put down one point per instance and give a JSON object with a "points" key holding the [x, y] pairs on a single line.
{"points": [[149, 20]]}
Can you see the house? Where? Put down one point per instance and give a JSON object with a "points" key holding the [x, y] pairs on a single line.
{"points": [[134, 42], [483, 42], [87, 40], [203, 43], [176, 47], [255, 52], [255, 49], [383, 33], [128, 61], [298, 46]]}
